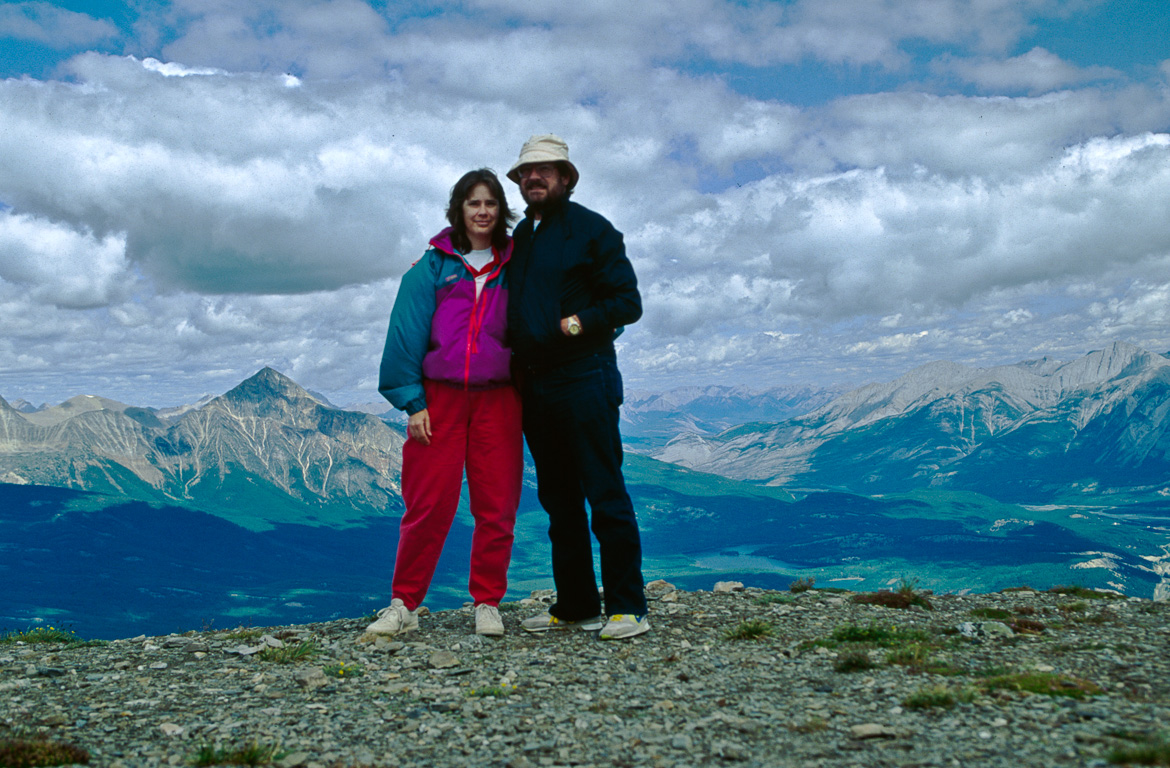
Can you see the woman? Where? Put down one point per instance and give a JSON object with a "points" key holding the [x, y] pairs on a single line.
{"points": [[446, 364]]}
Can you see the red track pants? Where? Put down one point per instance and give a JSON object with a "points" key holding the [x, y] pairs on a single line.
{"points": [[479, 429]]}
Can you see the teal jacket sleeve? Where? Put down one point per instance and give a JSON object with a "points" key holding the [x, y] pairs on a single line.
{"points": [[400, 375]]}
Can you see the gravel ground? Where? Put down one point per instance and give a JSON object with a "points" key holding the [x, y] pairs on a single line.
{"points": [[813, 679]]}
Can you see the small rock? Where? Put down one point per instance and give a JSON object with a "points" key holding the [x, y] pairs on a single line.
{"points": [[381, 643], [659, 587], [310, 679], [443, 660], [49, 672], [727, 586], [294, 760], [978, 629], [871, 731]]}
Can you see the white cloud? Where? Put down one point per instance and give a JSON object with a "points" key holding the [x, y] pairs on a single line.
{"points": [[1143, 309], [247, 192], [49, 25], [1036, 71], [898, 342], [62, 266], [173, 69]]}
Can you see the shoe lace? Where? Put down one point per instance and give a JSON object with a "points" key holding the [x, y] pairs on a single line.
{"points": [[400, 610]]}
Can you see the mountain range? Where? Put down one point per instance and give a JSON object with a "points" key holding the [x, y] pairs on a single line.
{"points": [[651, 419], [267, 504], [1037, 432], [265, 451]]}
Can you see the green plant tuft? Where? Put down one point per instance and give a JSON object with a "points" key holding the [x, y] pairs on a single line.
{"points": [[1045, 683], [772, 598], [493, 691], [57, 635], [902, 599], [911, 655], [1027, 626], [999, 614], [243, 633], [27, 753], [883, 635], [1150, 749], [291, 653], [342, 670], [853, 661], [938, 696], [252, 754], [802, 585], [1084, 593], [754, 629]]}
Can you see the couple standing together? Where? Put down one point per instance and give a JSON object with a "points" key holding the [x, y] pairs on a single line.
{"points": [[491, 333]]}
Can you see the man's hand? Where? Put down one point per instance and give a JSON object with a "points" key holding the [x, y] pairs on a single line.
{"points": [[419, 427], [565, 325]]}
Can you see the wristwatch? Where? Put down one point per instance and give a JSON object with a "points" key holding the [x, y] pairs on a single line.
{"points": [[574, 326]]}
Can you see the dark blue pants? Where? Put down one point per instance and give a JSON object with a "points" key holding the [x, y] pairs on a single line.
{"points": [[571, 424]]}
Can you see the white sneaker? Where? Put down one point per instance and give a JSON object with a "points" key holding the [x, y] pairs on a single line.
{"points": [[623, 625], [393, 619], [488, 621], [545, 622]]}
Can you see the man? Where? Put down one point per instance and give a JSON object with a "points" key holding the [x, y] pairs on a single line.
{"points": [[571, 291]]}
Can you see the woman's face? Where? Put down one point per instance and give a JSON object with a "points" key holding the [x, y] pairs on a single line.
{"points": [[480, 212]]}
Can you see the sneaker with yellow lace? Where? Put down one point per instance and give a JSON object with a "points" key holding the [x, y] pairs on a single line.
{"points": [[623, 625], [546, 622]]}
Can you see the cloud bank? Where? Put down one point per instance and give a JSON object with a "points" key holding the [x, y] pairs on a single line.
{"points": [[227, 185]]}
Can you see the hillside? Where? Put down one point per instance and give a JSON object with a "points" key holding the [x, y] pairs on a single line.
{"points": [[1039, 432]]}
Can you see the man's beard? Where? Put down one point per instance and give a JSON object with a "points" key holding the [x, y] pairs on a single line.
{"points": [[551, 198]]}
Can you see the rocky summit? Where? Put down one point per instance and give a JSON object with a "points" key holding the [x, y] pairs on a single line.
{"points": [[734, 676]]}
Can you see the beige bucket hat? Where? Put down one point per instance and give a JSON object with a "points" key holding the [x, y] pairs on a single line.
{"points": [[545, 148]]}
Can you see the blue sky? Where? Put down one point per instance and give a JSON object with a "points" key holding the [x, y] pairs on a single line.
{"points": [[817, 192]]}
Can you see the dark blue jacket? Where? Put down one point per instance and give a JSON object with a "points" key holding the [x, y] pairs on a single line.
{"points": [[573, 264]]}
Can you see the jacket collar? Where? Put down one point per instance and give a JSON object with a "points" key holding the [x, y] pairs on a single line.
{"points": [[442, 243]]}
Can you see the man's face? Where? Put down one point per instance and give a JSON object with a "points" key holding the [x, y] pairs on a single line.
{"points": [[541, 184]]}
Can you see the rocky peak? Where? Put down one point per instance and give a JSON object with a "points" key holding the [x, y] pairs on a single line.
{"points": [[267, 394], [1118, 360], [266, 383]]}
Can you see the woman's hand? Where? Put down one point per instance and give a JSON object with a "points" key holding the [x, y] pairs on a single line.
{"points": [[419, 427]]}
